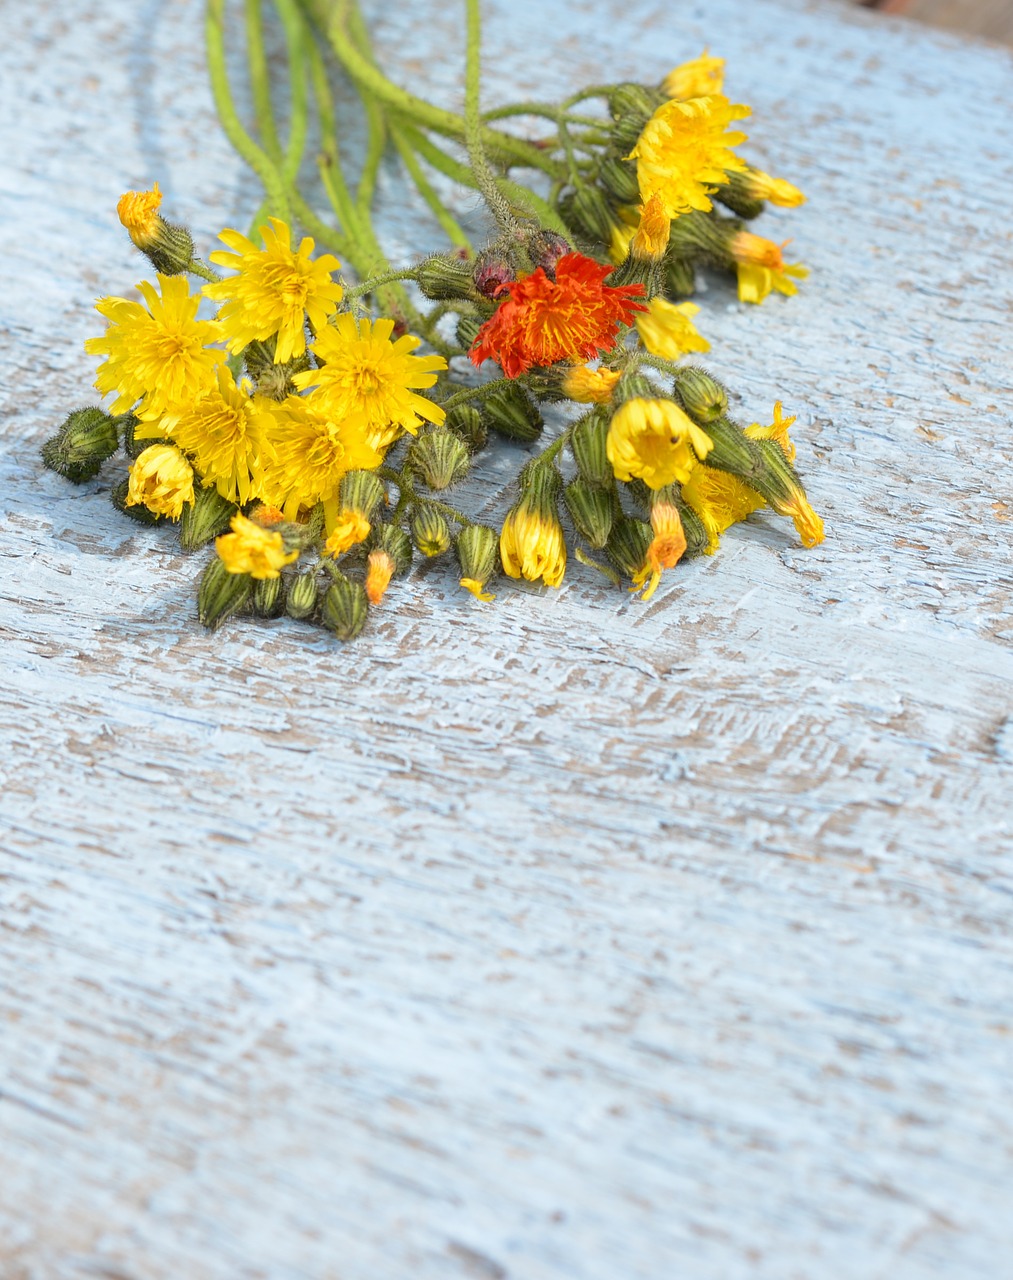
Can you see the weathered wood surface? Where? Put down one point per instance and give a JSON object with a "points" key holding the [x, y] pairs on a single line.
{"points": [[570, 938]]}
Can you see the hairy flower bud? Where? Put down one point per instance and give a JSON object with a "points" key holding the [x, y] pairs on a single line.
{"points": [[680, 277], [512, 412], [703, 397], [361, 491], [301, 596], [345, 608], [167, 246], [392, 540], [270, 378], [205, 518], [590, 214], [86, 439], [492, 273], [465, 421], [633, 386], [430, 530], [591, 509], [631, 106], [587, 443], [268, 597], [619, 178], [627, 545], [467, 331], [546, 248], [477, 546], [118, 497], [446, 277], [221, 594], [440, 457]]}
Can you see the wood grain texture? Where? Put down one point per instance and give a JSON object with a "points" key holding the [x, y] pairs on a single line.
{"points": [[570, 938]]}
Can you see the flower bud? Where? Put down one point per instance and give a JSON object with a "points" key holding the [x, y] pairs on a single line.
{"points": [[531, 542], [546, 248], [734, 195], [633, 386], [205, 518], [446, 277], [392, 540], [619, 178], [301, 596], [118, 497], [430, 530], [465, 421], [86, 439], [591, 509], [345, 608], [440, 457], [477, 547], [126, 425], [590, 214], [492, 273], [167, 246], [221, 594], [361, 491], [631, 106], [699, 237], [467, 331], [587, 443], [268, 597], [703, 397], [680, 277], [512, 412], [627, 545], [269, 378]]}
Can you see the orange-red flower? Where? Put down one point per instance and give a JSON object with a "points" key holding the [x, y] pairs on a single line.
{"points": [[574, 317]]}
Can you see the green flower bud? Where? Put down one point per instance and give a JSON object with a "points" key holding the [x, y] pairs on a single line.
{"points": [[587, 443], [628, 543], [447, 277], [393, 540], [301, 596], [270, 379], [86, 439], [465, 421], [644, 271], [591, 509], [345, 608], [467, 330], [512, 412], [591, 214], [680, 277], [205, 518], [631, 106], [221, 594], [430, 530], [697, 540], [268, 597], [361, 491], [703, 397], [634, 386], [126, 425], [137, 511], [735, 195], [440, 457], [619, 178], [478, 553], [171, 250], [703, 237]]}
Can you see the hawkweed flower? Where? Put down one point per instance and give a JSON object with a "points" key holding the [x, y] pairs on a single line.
{"points": [[655, 441], [368, 380], [274, 291], [755, 282], [531, 542], [699, 78], [574, 317], [350, 528], [253, 550], [138, 212], [590, 386], [776, 431], [758, 185], [720, 500], [667, 329], [156, 352], [161, 479], [379, 571], [684, 152], [667, 545], [755, 251]]}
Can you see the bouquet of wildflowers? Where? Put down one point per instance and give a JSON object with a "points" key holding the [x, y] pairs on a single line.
{"points": [[312, 426]]}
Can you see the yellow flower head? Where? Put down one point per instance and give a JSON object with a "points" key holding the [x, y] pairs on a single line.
{"points": [[720, 500], [477, 589], [684, 152], [251, 549], [161, 479], [666, 549], [350, 528], [589, 386], [275, 289], [138, 211], [777, 431], [761, 186], [667, 329], [808, 524], [755, 251], [379, 571], [531, 543], [698, 78], [313, 447], [159, 351], [757, 283], [227, 433], [650, 240], [654, 441], [367, 378]]}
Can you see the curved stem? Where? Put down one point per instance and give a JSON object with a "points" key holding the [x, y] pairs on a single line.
{"points": [[377, 282], [492, 195], [475, 393], [444, 217]]}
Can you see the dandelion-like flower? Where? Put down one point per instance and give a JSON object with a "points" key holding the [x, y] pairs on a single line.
{"points": [[684, 152], [366, 378], [720, 500], [574, 317], [350, 528], [160, 479], [156, 353], [667, 329], [252, 549], [757, 282], [654, 441], [697, 78], [590, 386], [274, 291], [138, 212], [531, 545], [777, 431]]}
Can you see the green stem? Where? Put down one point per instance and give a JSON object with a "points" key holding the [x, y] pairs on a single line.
{"points": [[545, 110], [198, 268], [295, 36], [498, 206], [376, 282], [476, 393], [444, 217], [260, 80]]}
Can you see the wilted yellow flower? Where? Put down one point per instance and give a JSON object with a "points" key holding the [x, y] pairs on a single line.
{"points": [[275, 290], [379, 571], [808, 524], [755, 250], [477, 589], [650, 240], [161, 479], [590, 386], [138, 212], [251, 549], [720, 500], [654, 441], [366, 378], [698, 78], [756, 282], [313, 447], [531, 543], [157, 352], [684, 152], [350, 527], [777, 431], [667, 329], [761, 186], [666, 549]]}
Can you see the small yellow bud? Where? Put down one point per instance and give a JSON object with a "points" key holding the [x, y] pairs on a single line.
{"points": [[161, 479], [254, 550], [697, 78]]}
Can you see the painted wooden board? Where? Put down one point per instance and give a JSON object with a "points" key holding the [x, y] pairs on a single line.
{"points": [[570, 938]]}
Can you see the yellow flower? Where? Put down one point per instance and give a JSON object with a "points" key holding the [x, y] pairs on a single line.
{"points": [[650, 240], [159, 352], [757, 283], [622, 238], [477, 589], [227, 433], [350, 527], [275, 289], [667, 329], [756, 251], [654, 441], [531, 543], [379, 571], [761, 186], [720, 500], [589, 386], [697, 78], [368, 378], [777, 431], [138, 212], [251, 549], [666, 549], [161, 479], [313, 447], [684, 152], [808, 524]]}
